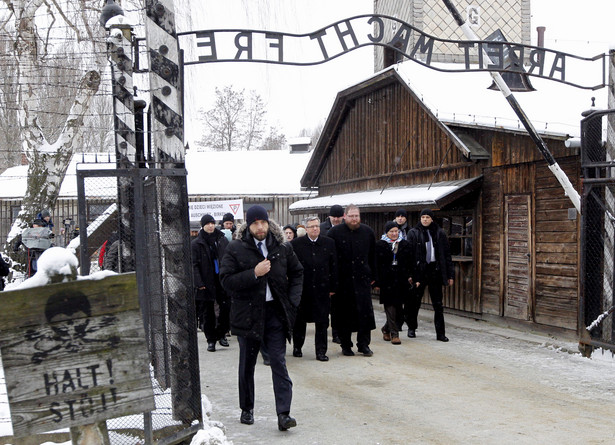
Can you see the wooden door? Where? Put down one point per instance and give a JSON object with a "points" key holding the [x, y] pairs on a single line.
{"points": [[517, 289]]}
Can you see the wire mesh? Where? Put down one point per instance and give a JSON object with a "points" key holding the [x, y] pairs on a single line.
{"points": [[145, 228], [598, 230]]}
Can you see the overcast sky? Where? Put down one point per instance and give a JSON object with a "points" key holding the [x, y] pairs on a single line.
{"points": [[301, 97]]}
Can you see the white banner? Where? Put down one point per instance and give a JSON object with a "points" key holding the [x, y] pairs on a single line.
{"points": [[217, 209]]}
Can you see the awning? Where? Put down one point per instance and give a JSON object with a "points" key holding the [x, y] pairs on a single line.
{"points": [[412, 197]]}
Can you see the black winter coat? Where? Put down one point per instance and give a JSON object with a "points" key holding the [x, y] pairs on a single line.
{"points": [[417, 238], [325, 226], [248, 292], [393, 279], [203, 267], [319, 262], [351, 306]]}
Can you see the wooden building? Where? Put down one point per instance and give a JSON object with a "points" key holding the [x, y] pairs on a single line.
{"points": [[410, 137]]}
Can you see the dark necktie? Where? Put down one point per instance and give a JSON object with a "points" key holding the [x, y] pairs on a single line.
{"points": [[260, 247]]}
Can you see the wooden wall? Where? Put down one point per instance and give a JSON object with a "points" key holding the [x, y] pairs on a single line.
{"points": [[381, 127], [388, 124], [555, 247]]}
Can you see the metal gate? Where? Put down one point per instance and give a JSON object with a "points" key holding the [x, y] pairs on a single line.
{"points": [[136, 219], [596, 307]]}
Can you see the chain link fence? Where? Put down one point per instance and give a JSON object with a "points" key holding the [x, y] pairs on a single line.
{"points": [[596, 320], [145, 228]]}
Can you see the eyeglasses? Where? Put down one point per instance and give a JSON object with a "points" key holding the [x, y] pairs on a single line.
{"points": [[312, 227]]}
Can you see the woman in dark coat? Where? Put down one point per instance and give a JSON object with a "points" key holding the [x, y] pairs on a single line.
{"points": [[207, 251], [393, 262]]}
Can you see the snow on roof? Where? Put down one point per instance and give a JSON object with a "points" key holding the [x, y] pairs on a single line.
{"points": [[463, 98], [246, 172], [209, 173], [13, 181], [416, 196]]}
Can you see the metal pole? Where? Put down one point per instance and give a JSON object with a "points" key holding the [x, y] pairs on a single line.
{"points": [[569, 189]]}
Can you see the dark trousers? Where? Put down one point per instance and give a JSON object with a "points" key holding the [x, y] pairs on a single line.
{"points": [[320, 335], [364, 338], [275, 343], [432, 280], [214, 326]]}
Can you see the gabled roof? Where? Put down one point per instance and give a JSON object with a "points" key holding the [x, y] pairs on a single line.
{"points": [[457, 100]]}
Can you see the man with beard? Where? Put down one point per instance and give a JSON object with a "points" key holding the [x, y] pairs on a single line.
{"points": [[352, 309], [317, 255], [264, 278], [433, 269], [207, 251]]}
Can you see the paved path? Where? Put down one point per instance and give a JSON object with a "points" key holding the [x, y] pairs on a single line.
{"points": [[488, 385]]}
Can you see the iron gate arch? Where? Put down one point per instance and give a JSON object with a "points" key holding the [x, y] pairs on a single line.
{"points": [[127, 236]]}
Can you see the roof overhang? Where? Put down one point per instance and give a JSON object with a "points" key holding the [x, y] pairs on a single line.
{"points": [[412, 197]]}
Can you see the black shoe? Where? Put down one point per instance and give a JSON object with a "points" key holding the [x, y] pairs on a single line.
{"points": [[297, 352], [347, 351], [247, 416], [285, 422], [336, 339], [323, 357], [211, 346], [411, 333], [223, 342], [366, 351], [443, 338]]}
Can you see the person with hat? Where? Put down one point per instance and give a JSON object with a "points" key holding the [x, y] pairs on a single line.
{"points": [[401, 218], [207, 251], [393, 263], [264, 279], [228, 222], [433, 269], [290, 233], [336, 216]]}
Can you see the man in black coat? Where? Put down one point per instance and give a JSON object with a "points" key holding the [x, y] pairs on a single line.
{"points": [[352, 309], [263, 276], [317, 255], [336, 216], [434, 268], [207, 252]]}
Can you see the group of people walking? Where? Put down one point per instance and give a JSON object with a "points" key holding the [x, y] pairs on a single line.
{"points": [[268, 288]]}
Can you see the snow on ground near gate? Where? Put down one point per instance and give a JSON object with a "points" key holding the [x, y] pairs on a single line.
{"points": [[59, 261]]}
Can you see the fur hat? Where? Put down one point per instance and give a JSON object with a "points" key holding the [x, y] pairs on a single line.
{"points": [[428, 212], [256, 213], [401, 212], [206, 219], [336, 211]]}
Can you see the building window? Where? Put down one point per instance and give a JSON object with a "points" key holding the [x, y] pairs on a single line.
{"points": [[459, 230]]}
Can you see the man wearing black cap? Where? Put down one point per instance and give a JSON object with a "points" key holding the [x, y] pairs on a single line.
{"points": [[336, 216], [401, 218], [228, 222], [264, 279], [207, 251], [434, 268]]}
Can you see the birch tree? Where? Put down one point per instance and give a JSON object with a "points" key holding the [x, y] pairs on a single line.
{"points": [[37, 27]]}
